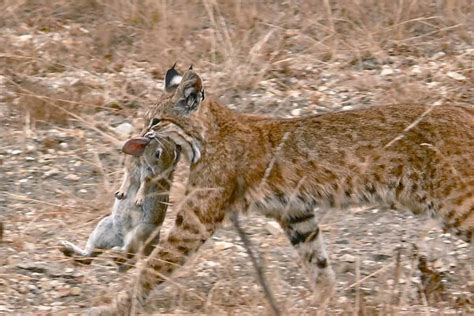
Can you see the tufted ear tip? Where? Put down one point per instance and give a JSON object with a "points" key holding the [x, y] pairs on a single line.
{"points": [[172, 79], [191, 67]]}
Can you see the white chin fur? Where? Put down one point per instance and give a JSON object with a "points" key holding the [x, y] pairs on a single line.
{"points": [[196, 153]]}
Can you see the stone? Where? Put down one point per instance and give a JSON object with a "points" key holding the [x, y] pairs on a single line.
{"points": [[456, 76], [438, 55], [295, 112], [124, 130], [222, 245], [50, 173], [416, 70], [348, 258], [76, 291], [72, 177], [387, 71]]}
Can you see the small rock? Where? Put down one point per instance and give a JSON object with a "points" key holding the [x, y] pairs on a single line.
{"points": [[438, 55], [16, 152], [44, 308], [211, 264], [295, 112], [63, 145], [50, 173], [387, 71], [72, 177], [22, 289], [32, 287], [222, 245], [342, 300], [29, 246], [348, 258], [124, 129], [3, 308], [347, 108], [63, 292], [30, 148], [456, 76], [76, 291], [30, 158], [273, 228], [415, 70]]}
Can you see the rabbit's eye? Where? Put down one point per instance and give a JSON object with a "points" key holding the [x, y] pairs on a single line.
{"points": [[158, 153]]}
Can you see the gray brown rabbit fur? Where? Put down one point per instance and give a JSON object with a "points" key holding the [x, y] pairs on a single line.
{"points": [[139, 209]]}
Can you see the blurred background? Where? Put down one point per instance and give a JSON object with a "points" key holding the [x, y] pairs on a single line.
{"points": [[77, 76]]}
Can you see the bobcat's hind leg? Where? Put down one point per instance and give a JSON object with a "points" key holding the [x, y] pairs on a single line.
{"points": [[305, 235]]}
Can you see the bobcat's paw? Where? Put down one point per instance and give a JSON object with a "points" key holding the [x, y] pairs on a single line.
{"points": [[324, 286]]}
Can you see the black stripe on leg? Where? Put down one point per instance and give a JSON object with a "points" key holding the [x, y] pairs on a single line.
{"points": [[295, 219], [322, 263], [297, 237]]}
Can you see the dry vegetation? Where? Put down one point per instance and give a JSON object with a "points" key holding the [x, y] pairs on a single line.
{"points": [[75, 74]]}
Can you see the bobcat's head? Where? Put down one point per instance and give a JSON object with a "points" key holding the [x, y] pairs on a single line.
{"points": [[170, 119], [183, 94]]}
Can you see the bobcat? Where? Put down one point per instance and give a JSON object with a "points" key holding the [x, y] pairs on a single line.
{"points": [[414, 157], [140, 207]]}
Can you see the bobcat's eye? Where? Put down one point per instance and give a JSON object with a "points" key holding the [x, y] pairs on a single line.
{"points": [[154, 121], [158, 153]]}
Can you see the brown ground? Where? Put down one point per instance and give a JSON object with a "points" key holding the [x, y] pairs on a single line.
{"points": [[74, 73]]}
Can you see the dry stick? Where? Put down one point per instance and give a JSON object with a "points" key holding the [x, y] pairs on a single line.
{"points": [[258, 268], [238, 194], [357, 283]]}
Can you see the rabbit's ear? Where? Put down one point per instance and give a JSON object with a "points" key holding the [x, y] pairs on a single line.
{"points": [[135, 146]]}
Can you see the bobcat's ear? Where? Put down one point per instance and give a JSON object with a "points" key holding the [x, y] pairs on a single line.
{"points": [[172, 79], [190, 92], [135, 146]]}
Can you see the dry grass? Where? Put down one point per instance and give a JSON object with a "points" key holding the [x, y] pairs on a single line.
{"points": [[246, 41], [82, 67]]}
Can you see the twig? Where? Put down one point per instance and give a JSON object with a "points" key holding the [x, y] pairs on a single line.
{"points": [[258, 268]]}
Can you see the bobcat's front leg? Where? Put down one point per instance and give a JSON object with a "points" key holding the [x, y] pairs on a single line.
{"points": [[196, 221]]}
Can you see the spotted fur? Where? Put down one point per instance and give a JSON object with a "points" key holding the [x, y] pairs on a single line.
{"points": [[408, 157]]}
